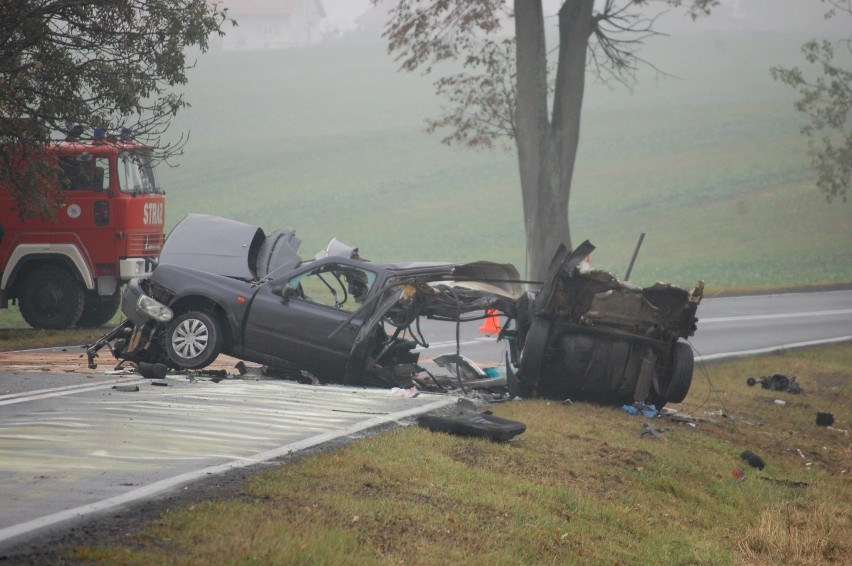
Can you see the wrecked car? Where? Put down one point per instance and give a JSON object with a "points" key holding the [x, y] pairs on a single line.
{"points": [[222, 286]]}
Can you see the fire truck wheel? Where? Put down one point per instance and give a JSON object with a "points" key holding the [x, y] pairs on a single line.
{"points": [[194, 340], [99, 310], [51, 297]]}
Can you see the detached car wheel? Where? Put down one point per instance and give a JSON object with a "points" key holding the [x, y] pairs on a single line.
{"points": [[683, 364], [194, 340]]}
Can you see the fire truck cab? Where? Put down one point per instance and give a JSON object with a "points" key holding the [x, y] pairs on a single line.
{"points": [[108, 229]]}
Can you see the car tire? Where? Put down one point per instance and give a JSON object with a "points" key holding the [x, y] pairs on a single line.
{"points": [[99, 310], [194, 340], [683, 364], [52, 298], [532, 354]]}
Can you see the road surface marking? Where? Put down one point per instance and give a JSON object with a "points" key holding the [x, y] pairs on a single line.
{"points": [[775, 349], [170, 483], [773, 316], [67, 390]]}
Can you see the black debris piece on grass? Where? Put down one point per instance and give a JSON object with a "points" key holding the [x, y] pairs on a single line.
{"points": [[776, 382], [824, 419], [467, 422], [753, 459], [474, 424]]}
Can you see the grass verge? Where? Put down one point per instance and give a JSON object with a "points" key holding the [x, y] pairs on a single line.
{"points": [[584, 485], [27, 338]]}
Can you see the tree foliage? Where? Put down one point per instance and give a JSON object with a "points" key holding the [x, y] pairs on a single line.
{"points": [[104, 63], [511, 88], [826, 100]]}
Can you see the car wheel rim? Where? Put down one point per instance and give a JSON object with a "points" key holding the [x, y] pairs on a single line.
{"points": [[190, 338]]}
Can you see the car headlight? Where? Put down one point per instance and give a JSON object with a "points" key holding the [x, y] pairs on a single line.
{"points": [[155, 309]]}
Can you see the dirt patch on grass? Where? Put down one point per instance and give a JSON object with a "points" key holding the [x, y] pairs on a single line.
{"points": [[71, 360]]}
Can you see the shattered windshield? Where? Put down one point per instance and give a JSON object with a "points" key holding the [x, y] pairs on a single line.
{"points": [[135, 172]]}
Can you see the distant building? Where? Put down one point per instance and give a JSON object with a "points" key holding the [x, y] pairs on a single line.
{"points": [[271, 24], [371, 23]]}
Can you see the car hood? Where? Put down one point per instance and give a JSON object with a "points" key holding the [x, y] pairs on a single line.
{"points": [[211, 243]]}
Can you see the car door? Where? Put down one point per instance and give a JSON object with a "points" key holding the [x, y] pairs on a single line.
{"points": [[296, 323]]}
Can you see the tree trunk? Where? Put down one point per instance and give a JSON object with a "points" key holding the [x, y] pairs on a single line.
{"points": [[547, 149]]}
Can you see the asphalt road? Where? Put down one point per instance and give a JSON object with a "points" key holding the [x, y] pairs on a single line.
{"points": [[728, 327], [72, 445]]}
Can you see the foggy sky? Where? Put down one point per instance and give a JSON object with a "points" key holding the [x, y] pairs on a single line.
{"points": [[732, 15]]}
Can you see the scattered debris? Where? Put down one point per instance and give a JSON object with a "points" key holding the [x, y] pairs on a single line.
{"points": [[126, 388], [466, 422], [473, 424], [824, 418], [160, 383], [720, 413], [466, 374], [243, 369], [467, 404], [681, 417], [152, 371], [738, 473], [649, 411], [753, 459], [788, 483], [216, 373], [780, 402], [776, 382], [409, 393], [653, 432]]}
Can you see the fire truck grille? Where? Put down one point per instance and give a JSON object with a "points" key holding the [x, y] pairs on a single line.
{"points": [[141, 245]]}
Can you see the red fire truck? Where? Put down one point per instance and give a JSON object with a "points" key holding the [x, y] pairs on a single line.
{"points": [[108, 228]]}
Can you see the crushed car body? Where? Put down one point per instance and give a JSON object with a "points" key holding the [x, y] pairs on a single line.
{"points": [[222, 286], [590, 336]]}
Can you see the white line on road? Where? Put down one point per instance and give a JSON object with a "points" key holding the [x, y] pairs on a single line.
{"points": [[67, 390], [775, 349], [173, 482], [773, 316]]}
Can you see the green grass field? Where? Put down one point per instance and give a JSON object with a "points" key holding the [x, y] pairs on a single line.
{"points": [[708, 162]]}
